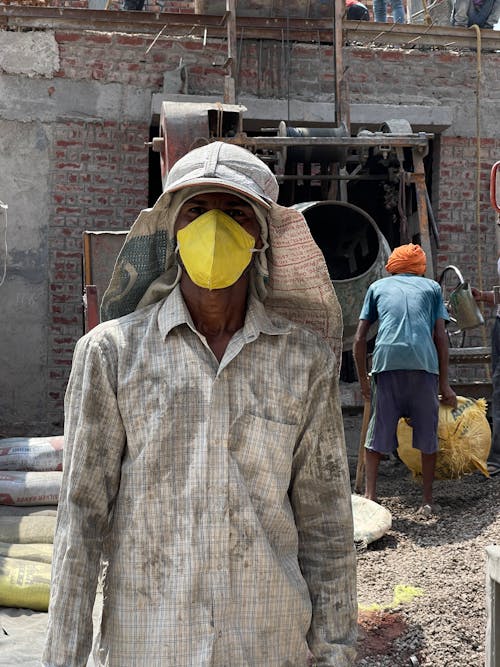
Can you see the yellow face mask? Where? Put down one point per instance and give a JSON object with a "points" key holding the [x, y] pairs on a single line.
{"points": [[215, 249]]}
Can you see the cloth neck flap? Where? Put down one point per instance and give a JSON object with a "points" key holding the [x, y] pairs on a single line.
{"points": [[299, 286]]}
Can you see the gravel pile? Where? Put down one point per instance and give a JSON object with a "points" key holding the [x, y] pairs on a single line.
{"points": [[441, 564]]}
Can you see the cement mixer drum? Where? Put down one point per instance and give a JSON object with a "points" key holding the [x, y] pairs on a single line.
{"points": [[355, 251]]}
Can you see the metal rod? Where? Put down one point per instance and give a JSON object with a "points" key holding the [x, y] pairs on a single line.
{"points": [[154, 40], [333, 177], [341, 102], [231, 65], [382, 140]]}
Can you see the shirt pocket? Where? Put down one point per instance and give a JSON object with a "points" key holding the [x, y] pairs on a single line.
{"points": [[263, 451]]}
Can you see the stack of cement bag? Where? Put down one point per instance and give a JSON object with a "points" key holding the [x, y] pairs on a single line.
{"points": [[30, 482]]}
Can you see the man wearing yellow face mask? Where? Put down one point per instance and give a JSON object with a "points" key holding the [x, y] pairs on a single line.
{"points": [[204, 455], [216, 251]]}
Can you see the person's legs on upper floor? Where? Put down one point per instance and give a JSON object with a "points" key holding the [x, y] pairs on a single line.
{"points": [[398, 11], [380, 11], [494, 16], [459, 15]]}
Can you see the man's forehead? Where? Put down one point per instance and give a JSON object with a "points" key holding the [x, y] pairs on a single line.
{"points": [[210, 197]]}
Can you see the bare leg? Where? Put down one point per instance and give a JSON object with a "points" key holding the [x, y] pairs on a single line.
{"points": [[428, 466], [372, 460]]}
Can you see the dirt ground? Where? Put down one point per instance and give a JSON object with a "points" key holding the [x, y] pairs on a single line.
{"points": [[422, 587]]}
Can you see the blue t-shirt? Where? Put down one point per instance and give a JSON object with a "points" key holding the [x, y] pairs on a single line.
{"points": [[407, 308]]}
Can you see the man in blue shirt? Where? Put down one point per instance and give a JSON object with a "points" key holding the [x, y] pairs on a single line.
{"points": [[409, 366]]}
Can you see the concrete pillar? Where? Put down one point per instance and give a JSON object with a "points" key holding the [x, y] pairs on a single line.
{"points": [[493, 606]]}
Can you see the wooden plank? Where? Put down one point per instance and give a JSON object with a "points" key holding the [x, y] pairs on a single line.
{"points": [[469, 355], [365, 33], [472, 389]]}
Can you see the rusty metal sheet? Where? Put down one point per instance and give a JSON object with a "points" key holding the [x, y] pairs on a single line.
{"points": [[100, 250], [186, 126]]}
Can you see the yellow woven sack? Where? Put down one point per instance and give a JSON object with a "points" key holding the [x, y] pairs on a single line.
{"points": [[464, 440], [42, 553], [24, 583], [27, 529]]}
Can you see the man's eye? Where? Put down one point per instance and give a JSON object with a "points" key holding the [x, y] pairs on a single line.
{"points": [[235, 213], [196, 210]]}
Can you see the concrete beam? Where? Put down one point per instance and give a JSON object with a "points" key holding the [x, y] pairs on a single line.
{"points": [[57, 100], [29, 53], [259, 110], [422, 118]]}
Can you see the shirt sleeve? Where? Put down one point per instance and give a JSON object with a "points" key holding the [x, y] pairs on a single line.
{"points": [[320, 494], [369, 308], [93, 444]]}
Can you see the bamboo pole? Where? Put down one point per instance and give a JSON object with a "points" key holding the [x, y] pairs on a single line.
{"points": [[360, 470]]}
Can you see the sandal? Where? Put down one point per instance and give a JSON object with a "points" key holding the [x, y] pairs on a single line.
{"points": [[493, 469]]}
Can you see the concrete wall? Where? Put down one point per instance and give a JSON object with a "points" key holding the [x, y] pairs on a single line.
{"points": [[24, 187], [71, 158], [75, 110]]}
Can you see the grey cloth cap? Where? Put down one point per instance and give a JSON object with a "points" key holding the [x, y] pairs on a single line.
{"points": [[228, 166]]}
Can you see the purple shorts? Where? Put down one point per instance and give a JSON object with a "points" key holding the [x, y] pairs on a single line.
{"points": [[395, 394]]}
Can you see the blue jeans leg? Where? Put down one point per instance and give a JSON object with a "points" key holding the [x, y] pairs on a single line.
{"points": [[380, 11], [398, 11]]}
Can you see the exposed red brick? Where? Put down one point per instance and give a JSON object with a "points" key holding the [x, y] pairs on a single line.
{"points": [[67, 36], [130, 40]]}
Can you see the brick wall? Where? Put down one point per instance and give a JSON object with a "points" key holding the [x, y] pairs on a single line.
{"points": [[99, 182], [112, 58], [466, 242], [99, 170], [306, 70], [449, 79], [459, 233]]}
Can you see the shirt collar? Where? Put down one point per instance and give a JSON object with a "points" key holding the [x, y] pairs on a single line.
{"points": [[173, 313], [415, 275]]}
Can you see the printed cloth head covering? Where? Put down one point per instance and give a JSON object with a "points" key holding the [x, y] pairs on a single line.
{"points": [[292, 277], [226, 165], [409, 258], [356, 11]]}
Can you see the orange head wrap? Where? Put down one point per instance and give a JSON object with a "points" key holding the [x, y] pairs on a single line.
{"points": [[408, 258]]}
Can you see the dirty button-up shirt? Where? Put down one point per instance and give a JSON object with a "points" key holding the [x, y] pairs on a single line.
{"points": [[218, 494]]}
